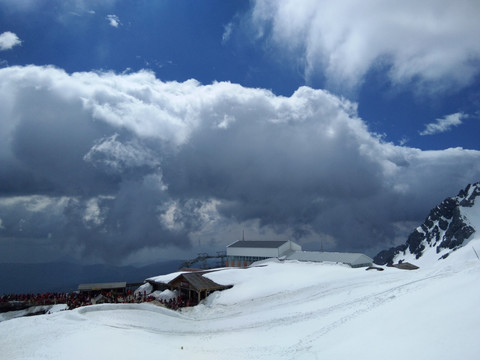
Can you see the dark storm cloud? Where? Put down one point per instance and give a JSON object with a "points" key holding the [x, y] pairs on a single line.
{"points": [[107, 166], [111, 228], [280, 164], [50, 138]]}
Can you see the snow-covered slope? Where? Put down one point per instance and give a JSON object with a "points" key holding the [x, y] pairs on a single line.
{"points": [[449, 226], [31, 311], [281, 310]]}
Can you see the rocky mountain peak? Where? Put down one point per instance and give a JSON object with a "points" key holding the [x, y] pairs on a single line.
{"points": [[446, 227]]}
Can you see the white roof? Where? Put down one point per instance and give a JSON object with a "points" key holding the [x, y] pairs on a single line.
{"points": [[322, 256], [269, 244]]}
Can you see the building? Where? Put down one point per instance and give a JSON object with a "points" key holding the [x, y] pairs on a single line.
{"points": [[118, 287], [352, 259], [242, 253], [193, 286]]}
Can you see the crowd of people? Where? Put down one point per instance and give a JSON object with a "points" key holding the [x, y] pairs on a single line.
{"points": [[71, 299], [175, 303], [77, 299], [18, 301]]}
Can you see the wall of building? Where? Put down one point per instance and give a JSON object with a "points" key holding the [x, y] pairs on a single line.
{"points": [[243, 261], [287, 247], [244, 256], [258, 252]]}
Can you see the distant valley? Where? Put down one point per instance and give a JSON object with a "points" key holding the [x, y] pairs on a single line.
{"points": [[63, 276]]}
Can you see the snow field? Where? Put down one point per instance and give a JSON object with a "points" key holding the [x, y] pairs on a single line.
{"points": [[289, 310]]}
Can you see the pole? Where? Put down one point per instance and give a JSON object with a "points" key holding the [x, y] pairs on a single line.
{"points": [[476, 253]]}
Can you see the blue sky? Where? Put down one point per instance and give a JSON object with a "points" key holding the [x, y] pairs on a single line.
{"points": [[203, 118]]}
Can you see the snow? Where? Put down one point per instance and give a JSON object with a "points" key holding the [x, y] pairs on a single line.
{"points": [[165, 295], [50, 309], [428, 258], [146, 288], [279, 310], [166, 278], [472, 215]]}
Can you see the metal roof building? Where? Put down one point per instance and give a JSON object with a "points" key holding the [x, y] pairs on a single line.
{"points": [[352, 259], [242, 253]]}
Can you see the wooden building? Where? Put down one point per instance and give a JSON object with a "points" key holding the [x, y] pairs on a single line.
{"points": [[191, 285], [195, 286]]}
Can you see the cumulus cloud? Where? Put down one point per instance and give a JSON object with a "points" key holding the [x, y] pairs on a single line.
{"points": [[114, 156], [8, 40], [428, 42], [103, 165], [113, 20], [444, 124]]}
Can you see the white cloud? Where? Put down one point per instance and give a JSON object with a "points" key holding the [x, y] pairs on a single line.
{"points": [[403, 141], [227, 32], [116, 156], [33, 203], [431, 42], [181, 160], [444, 124], [95, 212], [8, 40], [113, 20]]}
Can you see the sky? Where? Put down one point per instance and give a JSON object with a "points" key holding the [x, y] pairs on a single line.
{"points": [[136, 131]]}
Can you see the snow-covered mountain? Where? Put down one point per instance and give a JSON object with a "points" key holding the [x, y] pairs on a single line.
{"points": [[278, 310], [291, 310], [448, 227]]}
